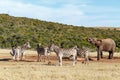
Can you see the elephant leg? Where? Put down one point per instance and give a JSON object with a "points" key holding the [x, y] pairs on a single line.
{"points": [[110, 55], [101, 54], [98, 55]]}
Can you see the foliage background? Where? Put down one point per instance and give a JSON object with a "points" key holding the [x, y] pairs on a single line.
{"points": [[18, 30]]}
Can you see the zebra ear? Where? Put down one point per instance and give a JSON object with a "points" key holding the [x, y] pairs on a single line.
{"points": [[51, 42], [39, 44], [28, 40], [61, 45], [76, 47]]}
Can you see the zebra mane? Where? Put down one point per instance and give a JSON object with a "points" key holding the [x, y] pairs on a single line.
{"points": [[56, 46], [75, 46], [24, 46]]}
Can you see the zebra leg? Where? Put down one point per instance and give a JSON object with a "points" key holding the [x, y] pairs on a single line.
{"points": [[48, 58], [86, 58], [38, 57], [21, 57], [11, 52], [74, 60], [60, 60], [14, 57], [44, 58], [18, 55]]}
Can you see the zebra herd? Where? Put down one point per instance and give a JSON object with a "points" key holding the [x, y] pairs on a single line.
{"points": [[18, 51]]}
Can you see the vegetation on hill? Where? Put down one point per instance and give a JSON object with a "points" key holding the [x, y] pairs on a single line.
{"points": [[18, 30]]}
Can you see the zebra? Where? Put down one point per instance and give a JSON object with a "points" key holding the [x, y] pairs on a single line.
{"points": [[84, 52], [42, 51], [60, 52], [18, 51]]}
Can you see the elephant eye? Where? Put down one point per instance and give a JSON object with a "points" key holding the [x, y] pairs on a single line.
{"points": [[89, 39]]}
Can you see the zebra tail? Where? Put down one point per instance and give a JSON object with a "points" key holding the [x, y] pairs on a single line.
{"points": [[11, 53]]}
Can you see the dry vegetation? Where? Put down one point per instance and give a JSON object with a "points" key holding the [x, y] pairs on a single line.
{"points": [[109, 28], [29, 69]]}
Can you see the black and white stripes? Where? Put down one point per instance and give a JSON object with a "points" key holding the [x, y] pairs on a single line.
{"points": [[84, 53], [64, 53], [42, 51], [18, 51]]}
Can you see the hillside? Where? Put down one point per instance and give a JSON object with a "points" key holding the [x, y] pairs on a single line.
{"points": [[108, 28], [18, 30]]}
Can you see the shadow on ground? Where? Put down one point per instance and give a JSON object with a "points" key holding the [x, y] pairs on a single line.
{"points": [[5, 59]]}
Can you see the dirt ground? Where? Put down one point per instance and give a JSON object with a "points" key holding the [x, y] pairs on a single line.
{"points": [[31, 56]]}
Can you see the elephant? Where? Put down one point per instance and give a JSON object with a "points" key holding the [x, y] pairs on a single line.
{"points": [[107, 44]]}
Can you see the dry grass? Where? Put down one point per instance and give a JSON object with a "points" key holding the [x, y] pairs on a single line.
{"points": [[40, 71], [108, 28], [23, 70]]}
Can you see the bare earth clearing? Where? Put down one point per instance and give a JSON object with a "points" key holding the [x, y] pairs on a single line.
{"points": [[29, 69]]}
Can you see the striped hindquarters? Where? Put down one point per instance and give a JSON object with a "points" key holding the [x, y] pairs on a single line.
{"points": [[83, 52]]}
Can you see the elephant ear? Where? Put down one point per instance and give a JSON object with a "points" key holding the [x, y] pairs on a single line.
{"points": [[98, 42]]}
